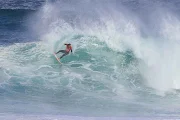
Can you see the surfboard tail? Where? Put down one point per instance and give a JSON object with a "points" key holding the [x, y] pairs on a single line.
{"points": [[58, 59]]}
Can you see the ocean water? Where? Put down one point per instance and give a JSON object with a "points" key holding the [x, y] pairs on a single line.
{"points": [[124, 65]]}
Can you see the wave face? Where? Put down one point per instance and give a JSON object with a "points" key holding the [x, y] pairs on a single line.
{"points": [[125, 59]]}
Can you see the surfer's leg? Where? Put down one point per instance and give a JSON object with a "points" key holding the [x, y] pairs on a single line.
{"points": [[63, 51], [64, 55]]}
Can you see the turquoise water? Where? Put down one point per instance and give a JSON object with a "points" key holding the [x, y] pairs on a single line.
{"points": [[93, 81]]}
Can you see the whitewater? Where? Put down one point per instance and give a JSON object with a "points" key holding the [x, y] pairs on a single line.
{"points": [[124, 65]]}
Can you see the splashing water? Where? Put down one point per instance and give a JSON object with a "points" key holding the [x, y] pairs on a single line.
{"points": [[118, 67]]}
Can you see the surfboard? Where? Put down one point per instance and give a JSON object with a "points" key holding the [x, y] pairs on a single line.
{"points": [[57, 58]]}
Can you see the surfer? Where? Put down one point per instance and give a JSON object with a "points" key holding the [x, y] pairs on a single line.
{"points": [[66, 51]]}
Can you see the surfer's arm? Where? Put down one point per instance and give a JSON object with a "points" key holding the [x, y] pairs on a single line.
{"points": [[71, 49]]}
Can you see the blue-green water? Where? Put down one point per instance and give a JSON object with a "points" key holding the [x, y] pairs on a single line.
{"points": [[125, 60]]}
